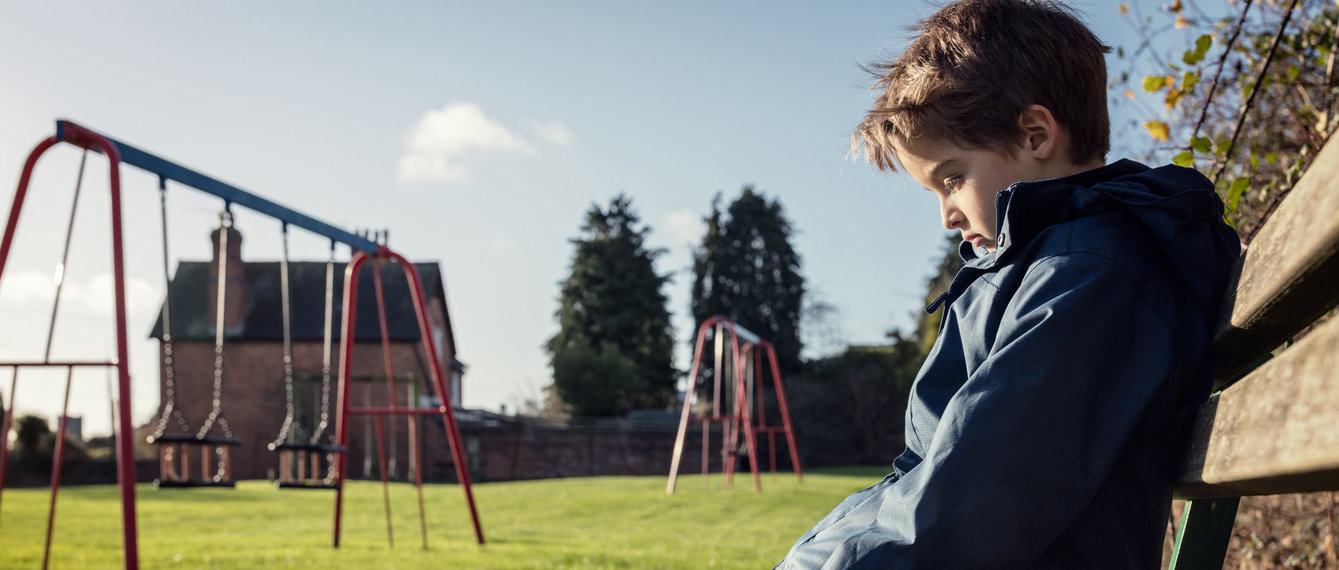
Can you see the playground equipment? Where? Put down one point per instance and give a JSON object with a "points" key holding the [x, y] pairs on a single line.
{"points": [[306, 463], [175, 449], [118, 153], [741, 365]]}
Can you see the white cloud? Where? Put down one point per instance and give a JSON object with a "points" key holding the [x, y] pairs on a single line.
{"points": [[26, 288], [437, 146], [555, 133], [685, 226], [143, 299], [31, 292]]}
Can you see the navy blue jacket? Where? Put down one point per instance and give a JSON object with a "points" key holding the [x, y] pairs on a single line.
{"points": [[1046, 426]]}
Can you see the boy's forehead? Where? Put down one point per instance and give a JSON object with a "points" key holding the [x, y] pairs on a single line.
{"points": [[924, 149], [923, 157]]}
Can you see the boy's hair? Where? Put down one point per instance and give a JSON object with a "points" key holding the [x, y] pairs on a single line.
{"points": [[976, 65]]}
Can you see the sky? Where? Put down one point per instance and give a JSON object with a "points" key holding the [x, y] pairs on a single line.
{"points": [[477, 133]]}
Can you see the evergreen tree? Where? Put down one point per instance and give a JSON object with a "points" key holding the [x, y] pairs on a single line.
{"points": [[746, 270], [614, 345]]}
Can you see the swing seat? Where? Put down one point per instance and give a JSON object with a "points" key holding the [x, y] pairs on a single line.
{"points": [[174, 452], [303, 453], [318, 486], [191, 439], [170, 484], [326, 447]]}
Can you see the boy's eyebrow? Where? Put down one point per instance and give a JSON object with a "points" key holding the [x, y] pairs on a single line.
{"points": [[937, 173]]}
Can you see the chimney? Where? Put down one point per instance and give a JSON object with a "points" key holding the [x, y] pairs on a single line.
{"points": [[235, 289]]}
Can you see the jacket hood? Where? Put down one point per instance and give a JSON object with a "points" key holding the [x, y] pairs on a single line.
{"points": [[1176, 206]]}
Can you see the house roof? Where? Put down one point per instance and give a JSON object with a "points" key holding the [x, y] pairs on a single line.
{"points": [[262, 317]]}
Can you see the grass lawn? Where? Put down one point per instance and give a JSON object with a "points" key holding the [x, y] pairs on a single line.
{"points": [[600, 522]]}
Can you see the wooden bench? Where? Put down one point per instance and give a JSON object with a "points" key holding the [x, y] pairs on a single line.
{"points": [[1273, 427]]}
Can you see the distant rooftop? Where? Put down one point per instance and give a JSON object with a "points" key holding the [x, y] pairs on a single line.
{"points": [[262, 318]]}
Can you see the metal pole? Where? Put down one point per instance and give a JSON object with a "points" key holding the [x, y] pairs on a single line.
{"points": [[390, 391], [416, 457], [125, 451], [385, 485], [64, 257], [4, 430], [345, 377], [690, 394], [785, 412], [448, 417], [56, 461], [742, 396]]}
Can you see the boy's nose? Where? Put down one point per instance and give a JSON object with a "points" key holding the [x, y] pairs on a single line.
{"points": [[951, 217]]}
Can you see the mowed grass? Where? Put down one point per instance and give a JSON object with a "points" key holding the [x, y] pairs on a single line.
{"points": [[598, 522]]}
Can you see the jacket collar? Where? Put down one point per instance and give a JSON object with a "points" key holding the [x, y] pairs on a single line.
{"points": [[1022, 211]]}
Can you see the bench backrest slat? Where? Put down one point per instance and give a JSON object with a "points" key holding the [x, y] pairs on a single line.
{"points": [[1290, 274], [1274, 432]]}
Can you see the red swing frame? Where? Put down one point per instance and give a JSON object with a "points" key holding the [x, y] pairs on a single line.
{"points": [[125, 458], [751, 348], [344, 411]]}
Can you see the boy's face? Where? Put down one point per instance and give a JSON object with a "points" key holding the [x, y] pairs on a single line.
{"points": [[966, 181]]}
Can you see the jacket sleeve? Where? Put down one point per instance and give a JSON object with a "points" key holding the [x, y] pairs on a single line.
{"points": [[1029, 438]]}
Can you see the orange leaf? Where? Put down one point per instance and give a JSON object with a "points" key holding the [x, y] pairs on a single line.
{"points": [[1129, 94], [1181, 22], [1158, 130]]}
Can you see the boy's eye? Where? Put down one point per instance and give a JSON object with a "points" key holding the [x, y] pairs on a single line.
{"points": [[952, 183]]}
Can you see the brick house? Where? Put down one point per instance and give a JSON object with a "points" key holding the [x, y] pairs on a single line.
{"points": [[253, 395]]}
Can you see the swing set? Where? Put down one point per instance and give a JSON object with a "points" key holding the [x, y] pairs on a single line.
{"points": [[741, 364], [299, 457]]}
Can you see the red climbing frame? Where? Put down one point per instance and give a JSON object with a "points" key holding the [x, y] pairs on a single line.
{"points": [[434, 369], [746, 360]]}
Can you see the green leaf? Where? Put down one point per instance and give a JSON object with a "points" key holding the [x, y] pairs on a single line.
{"points": [[1202, 45], [1153, 83], [1189, 80], [1293, 72], [1235, 191], [1190, 58], [1120, 52], [1220, 149], [1255, 162], [1186, 159], [1271, 157], [1200, 144]]}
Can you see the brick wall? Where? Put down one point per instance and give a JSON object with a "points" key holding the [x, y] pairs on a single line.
{"points": [[521, 449]]}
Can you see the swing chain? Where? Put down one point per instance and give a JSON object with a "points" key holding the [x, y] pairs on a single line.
{"points": [[216, 414], [291, 430], [170, 408], [325, 358]]}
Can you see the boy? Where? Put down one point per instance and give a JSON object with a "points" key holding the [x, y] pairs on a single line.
{"points": [[1045, 428]]}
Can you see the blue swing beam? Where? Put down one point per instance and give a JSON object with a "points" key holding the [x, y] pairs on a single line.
{"points": [[69, 131]]}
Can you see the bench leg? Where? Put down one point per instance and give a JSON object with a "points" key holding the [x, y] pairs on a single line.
{"points": [[1206, 528]]}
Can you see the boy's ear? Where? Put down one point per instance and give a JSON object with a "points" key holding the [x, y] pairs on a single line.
{"points": [[1041, 132]]}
